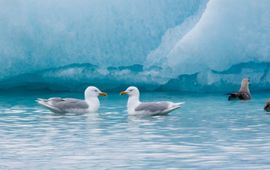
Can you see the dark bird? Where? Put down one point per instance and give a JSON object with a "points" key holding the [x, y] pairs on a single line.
{"points": [[243, 93], [267, 106]]}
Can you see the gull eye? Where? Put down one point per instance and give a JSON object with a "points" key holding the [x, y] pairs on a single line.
{"points": [[96, 90]]}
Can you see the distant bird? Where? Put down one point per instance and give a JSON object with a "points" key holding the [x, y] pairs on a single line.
{"points": [[243, 94], [267, 106], [71, 105], [136, 107]]}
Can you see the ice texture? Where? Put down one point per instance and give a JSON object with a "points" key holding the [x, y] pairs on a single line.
{"points": [[36, 35], [188, 45]]}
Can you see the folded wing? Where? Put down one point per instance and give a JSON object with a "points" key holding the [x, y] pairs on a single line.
{"points": [[239, 96], [62, 105], [153, 107]]}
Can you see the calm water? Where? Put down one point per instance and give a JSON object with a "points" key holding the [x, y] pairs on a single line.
{"points": [[208, 133]]}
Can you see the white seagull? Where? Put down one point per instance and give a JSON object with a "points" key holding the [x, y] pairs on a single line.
{"points": [[136, 107], [70, 105]]}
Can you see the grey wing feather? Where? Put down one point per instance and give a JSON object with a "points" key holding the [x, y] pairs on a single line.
{"points": [[70, 104], [152, 106], [55, 99]]}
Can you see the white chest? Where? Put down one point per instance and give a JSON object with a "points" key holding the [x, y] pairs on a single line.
{"points": [[132, 103], [93, 104]]}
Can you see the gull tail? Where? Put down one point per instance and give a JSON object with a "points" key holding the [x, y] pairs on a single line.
{"points": [[41, 101], [176, 105], [44, 103]]}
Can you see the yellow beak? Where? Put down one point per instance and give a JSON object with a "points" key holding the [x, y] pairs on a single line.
{"points": [[123, 93], [103, 94]]}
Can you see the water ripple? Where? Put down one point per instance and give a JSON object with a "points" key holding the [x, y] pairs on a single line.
{"points": [[199, 136]]}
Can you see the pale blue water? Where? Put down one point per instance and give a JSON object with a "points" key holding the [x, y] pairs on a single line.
{"points": [[208, 133]]}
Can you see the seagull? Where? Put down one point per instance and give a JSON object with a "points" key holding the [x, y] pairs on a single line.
{"points": [[136, 107], [71, 105], [267, 106], [243, 93]]}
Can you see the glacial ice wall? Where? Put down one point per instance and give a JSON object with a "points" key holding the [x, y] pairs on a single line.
{"points": [[36, 35], [228, 32], [189, 45]]}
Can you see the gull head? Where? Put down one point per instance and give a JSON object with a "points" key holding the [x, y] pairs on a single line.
{"points": [[244, 83], [131, 91], [93, 91]]}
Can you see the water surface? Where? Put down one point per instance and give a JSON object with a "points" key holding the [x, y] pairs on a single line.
{"points": [[207, 133]]}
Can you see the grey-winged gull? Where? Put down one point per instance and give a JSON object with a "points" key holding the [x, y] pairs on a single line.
{"points": [[70, 105], [136, 107], [243, 93]]}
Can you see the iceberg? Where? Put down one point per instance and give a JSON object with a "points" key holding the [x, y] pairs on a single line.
{"points": [[228, 32], [189, 45]]}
